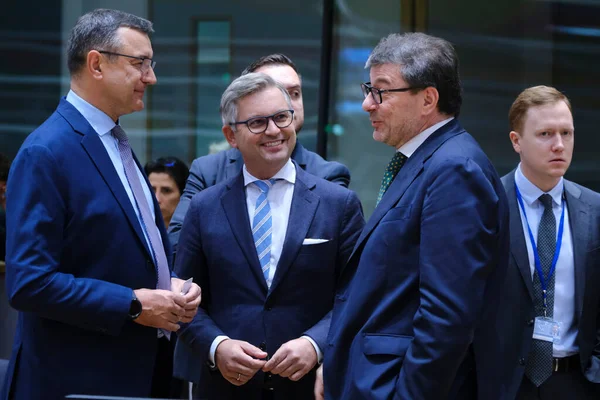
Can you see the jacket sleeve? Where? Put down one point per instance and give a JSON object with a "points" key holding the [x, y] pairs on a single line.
{"points": [[195, 184], [35, 281], [350, 228], [191, 262]]}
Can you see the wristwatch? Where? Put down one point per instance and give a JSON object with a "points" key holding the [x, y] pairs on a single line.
{"points": [[135, 309]]}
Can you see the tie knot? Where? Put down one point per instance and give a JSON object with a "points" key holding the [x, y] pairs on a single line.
{"points": [[546, 201], [396, 163], [119, 134], [265, 185]]}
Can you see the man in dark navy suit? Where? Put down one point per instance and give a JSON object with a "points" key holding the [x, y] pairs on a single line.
{"points": [[209, 170], [266, 246], [87, 258], [553, 278], [420, 289]]}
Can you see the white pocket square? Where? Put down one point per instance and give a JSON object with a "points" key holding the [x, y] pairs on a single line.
{"points": [[313, 241]]}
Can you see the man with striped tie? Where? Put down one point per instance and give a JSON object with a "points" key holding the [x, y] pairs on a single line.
{"points": [[266, 247]]}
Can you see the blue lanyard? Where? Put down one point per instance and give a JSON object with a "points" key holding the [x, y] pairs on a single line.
{"points": [[536, 256]]}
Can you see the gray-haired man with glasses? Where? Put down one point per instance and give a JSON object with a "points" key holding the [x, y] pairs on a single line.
{"points": [[414, 318], [266, 247], [88, 258], [211, 169]]}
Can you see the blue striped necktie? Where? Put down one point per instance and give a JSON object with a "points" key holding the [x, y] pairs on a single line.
{"points": [[262, 226]]}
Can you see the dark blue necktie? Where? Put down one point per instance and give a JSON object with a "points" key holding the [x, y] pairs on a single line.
{"points": [[539, 364]]}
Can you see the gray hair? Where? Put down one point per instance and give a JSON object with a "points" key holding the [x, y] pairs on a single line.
{"points": [[243, 86], [97, 30], [424, 61]]}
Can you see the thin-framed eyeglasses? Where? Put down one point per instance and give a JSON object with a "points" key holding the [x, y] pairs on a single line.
{"points": [[377, 93], [145, 66], [282, 119]]}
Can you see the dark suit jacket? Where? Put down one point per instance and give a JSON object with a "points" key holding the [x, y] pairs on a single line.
{"points": [[217, 249], [75, 252], [516, 313], [423, 280], [209, 170]]}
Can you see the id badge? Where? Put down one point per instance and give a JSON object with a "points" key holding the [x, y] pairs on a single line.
{"points": [[546, 329]]}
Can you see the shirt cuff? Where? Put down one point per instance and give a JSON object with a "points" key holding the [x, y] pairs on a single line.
{"points": [[317, 349], [213, 350]]}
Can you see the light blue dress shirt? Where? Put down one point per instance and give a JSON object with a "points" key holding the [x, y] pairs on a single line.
{"points": [[564, 287], [103, 124]]}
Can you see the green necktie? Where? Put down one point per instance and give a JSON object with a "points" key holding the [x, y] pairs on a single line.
{"points": [[390, 173]]}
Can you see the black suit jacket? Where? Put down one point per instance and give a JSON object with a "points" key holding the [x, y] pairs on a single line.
{"points": [[516, 314], [209, 170]]}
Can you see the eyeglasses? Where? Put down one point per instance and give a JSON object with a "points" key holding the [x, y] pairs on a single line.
{"points": [[281, 119], [145, 66], [377, 93]]}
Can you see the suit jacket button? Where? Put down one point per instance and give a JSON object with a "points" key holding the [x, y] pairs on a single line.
{"points": [[263, 346], [530, 322], [521, 361]]}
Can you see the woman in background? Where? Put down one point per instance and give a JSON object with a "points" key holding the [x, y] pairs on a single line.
{"points": [[167, 176]]}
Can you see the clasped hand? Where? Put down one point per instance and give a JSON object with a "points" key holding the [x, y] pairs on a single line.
{"points": [[239, 361], [165, 308]]}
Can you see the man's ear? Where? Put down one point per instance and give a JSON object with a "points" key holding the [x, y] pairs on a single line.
{"points": [[94, 63], [431, 96], [515, 139], [229, 136]]}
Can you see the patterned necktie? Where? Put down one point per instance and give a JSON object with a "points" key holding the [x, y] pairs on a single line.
{"points": [[539, 365], [262, 226], [148, 224], [390, 173]]}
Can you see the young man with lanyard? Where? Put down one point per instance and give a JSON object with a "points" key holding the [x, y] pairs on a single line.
{"points": [[547, 322]]}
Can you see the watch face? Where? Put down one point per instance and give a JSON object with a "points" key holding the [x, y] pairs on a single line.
{"points": [[135, 309]]}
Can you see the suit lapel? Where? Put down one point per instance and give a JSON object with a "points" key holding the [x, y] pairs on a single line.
{"points": [[234, 205], [95, 149], [580, 236], [408, 173], [518, 246], [234, 165], [302, 211], [298, 155]]}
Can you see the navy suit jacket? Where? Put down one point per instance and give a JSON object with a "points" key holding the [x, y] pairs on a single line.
{"points": [[516, 313], [217, 249], [75, 252], [209, 170], [423, 280]]}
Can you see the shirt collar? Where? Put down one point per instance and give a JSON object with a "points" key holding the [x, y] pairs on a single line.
{"points": [[413, 144], [530, 192], [287, 173], [101, 122]]}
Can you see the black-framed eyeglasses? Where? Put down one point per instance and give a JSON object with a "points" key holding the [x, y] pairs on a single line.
{"points": [[145, 66], [377, 93], [282, 119]]}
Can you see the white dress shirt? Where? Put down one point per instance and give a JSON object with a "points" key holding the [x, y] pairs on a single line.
{"points": [[413, 144], [564, 286], [280, 200]]}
